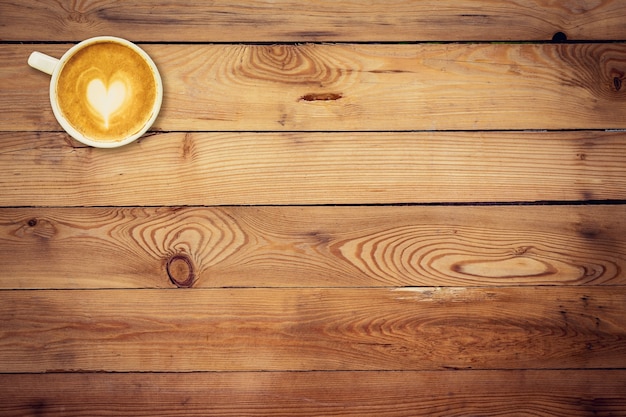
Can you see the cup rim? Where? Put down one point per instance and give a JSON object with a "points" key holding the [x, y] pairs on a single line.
{"points": [[73, 131]]}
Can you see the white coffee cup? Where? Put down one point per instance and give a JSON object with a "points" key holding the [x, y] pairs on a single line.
{"points": [[54, 67]]}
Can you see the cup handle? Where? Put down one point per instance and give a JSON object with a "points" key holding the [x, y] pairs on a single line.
{"points": [[42, 62]]}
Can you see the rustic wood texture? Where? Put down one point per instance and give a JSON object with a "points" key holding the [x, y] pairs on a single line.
{"points": [[296, 329], [346, 208], [315, 87], [278, 247], [314, 20], [380, 394], [46, 169]]}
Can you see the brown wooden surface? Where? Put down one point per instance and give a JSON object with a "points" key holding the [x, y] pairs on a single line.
{"points": [[315, 87], [296, 329], [344, 208], [312, 246], [314, 168], [317, 20], [386, 394]]}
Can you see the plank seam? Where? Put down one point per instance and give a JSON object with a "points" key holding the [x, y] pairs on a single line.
{"points": [[547, 203], [295, 43], [293, 371]]}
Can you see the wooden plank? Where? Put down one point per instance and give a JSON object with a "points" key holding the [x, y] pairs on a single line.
{"points": [[45, 169], [347, 87], [380, 394], [318, 20], [418, 328], [312, 246]]}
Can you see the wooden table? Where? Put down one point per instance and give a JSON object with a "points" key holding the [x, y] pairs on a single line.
{"points": [[382, 208]]}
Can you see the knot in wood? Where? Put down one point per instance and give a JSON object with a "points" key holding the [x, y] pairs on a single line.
{"points": [[321, 97], [41, 228], [180, 271]]}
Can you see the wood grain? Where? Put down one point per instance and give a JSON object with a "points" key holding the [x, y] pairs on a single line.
{"points": [[46, 169], [298, 329], [318, 20], [311, 246], [347, 87], [380, 394], [251, 254]]}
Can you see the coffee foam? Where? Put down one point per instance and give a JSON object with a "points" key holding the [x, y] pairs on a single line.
{"points": [[106, 91]]}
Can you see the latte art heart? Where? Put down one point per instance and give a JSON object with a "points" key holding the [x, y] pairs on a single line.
{"points": [[105, 100]]}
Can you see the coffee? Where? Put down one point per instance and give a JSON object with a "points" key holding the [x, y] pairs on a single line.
{"points": [[107, 91]]}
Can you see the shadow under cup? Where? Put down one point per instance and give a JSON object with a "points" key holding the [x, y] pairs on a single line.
{"points": [[106, 92]]}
